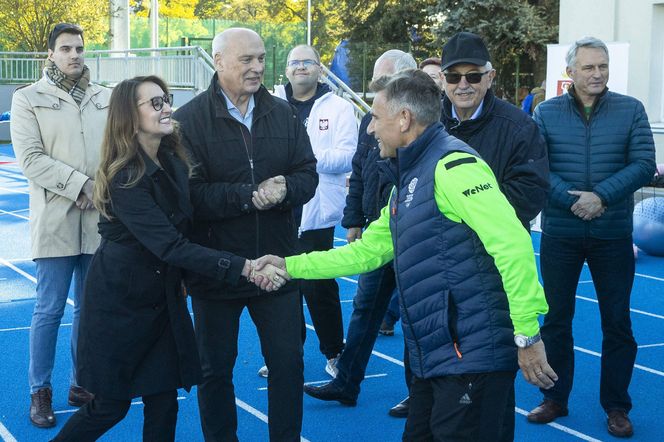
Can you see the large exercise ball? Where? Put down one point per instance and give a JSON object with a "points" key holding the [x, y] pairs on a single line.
{"points": [[649, 226]]}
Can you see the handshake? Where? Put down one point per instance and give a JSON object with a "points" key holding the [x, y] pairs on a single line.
{"points": [[268, 272]]}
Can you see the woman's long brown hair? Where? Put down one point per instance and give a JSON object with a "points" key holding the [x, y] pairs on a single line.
{"points": [[120, 144]]}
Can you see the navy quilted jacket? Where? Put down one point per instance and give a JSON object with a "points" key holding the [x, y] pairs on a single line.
{"points": [[451, 291], [369, 187], [611, 154]]}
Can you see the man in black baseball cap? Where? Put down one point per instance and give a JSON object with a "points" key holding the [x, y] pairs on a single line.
{"points": [[505, 136]]}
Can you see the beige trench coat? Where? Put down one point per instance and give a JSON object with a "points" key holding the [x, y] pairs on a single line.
{"points": [[57, 144]]}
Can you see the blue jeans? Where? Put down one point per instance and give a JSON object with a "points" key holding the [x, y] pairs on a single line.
{"points": [[611, 264], [392, 315], [374, 291], [54, 276]]}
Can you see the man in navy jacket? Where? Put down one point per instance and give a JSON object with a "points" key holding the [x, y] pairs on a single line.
{"points": [[601, 151]]}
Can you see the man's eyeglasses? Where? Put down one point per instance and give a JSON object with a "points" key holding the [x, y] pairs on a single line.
{"points": [[158, 102], [471, 77], [304, 63]]}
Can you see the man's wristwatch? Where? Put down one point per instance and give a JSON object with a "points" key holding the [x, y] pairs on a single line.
{"points": [[522, 341]]}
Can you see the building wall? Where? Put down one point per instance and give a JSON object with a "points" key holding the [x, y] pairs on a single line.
{"points": [[639, 23]]}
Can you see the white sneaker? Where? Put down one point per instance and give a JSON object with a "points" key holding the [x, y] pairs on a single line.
{"points": [[263, 372], [331, 366]]}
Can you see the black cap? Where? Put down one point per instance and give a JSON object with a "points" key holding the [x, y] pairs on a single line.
{"points": [[464, 47], [60, 28]]}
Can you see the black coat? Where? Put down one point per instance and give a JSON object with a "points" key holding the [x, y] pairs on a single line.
{"points": [[230, 163], [135, 336], [511, 144], [369, 187]]}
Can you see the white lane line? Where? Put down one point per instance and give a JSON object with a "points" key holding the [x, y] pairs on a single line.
{"points": [[633, 310], [74, 410], [651, 345], [637, 366], [251, 410], [6, 189], [562, 428], [5, 434], [369, 376], [28, 328], [4, 212], [28, 276], [656, 278]]}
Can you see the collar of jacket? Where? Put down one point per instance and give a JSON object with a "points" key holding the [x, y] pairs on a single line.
{"points": [[571, 92], [263, 101], [468, 126], [150, 166], [46, 86], [409, 155]]}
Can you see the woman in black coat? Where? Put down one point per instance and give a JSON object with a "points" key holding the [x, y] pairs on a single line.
{"points": [[136, 337]]}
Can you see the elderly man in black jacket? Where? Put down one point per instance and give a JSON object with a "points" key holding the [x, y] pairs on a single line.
{"points": [[506, 137], [254, 164]]}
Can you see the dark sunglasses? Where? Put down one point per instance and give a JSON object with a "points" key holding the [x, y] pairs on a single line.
{"points": [[158, 102], [471, 77]]}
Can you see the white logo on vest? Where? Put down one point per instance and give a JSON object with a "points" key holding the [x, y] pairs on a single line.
{"points": [[411, 189]]}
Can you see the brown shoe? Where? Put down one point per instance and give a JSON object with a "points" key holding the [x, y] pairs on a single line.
{"points": [[619, 424], [79, 396], [41, 408], [547, 412]]}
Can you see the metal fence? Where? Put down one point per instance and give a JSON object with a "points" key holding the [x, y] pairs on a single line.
{"points": [[182, 67], [186, 67]]}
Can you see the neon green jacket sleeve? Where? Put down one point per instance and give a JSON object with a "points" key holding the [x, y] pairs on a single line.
{"points": [[465, 193], [370, 252], [469, 193]]}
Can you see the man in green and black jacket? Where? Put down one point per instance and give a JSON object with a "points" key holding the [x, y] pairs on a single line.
{"points": [[464, 265]]}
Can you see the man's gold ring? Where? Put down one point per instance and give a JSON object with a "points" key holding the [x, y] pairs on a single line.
{"points": [[276, 278]]}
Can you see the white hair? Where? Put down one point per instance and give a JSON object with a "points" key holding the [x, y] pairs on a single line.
{"points": [[400, 60]]}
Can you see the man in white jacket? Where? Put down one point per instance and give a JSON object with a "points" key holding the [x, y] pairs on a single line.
{"points": [[332, 129]]}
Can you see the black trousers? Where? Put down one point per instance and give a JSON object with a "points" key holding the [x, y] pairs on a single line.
{"points": [[469, 407], [322, 296], [95, 418], [278, 320]]}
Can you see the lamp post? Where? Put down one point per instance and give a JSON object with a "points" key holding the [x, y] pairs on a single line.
{"points": [[309, 22], [154, 23]]}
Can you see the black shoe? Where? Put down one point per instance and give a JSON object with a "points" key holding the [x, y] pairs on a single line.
{"points": [[79, 396], [330, 392], [400, 409], [386, 329], [41, 408]]}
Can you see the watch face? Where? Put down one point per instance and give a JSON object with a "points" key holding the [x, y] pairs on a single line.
{"points": [[520, 341]]}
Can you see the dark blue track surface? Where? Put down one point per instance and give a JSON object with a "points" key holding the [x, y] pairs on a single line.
{"points": [[322, 421]]}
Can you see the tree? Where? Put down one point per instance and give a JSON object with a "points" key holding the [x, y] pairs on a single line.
{"points": [[280, 21], [513, 29], [25, 24]]}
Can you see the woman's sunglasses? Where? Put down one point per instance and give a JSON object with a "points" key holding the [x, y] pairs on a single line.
{"points": [[158, 102]]}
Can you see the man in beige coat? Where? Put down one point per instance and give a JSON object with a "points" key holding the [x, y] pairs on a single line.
{"points": [[57, 128]]}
